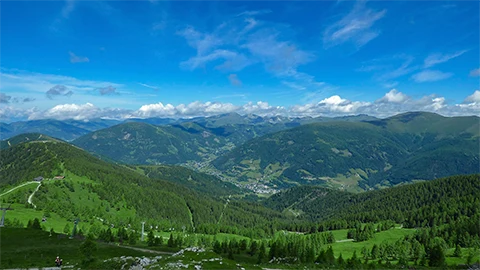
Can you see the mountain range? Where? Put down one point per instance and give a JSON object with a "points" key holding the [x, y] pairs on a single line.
{"points": [[353, 153]]}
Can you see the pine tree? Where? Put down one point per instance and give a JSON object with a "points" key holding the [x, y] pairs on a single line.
{"points": [[261, 253], [217, 247], [253, 248], [374, 252], [150, 239], [340, 260], [458, 251], [66, 229], [87, 249], [132, 238], [171, 242], [329, 256], [436, 256]]}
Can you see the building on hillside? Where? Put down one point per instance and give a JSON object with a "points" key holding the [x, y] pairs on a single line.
{"points": [[38, 179], [59, 177]]}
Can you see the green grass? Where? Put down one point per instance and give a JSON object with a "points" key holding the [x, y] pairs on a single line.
{"points": [[34, 248], [347, 248]]}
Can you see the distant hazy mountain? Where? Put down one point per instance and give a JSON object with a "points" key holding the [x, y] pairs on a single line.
{"points": [[366, 154], [65, 130], [170, 141], [72, 129]]}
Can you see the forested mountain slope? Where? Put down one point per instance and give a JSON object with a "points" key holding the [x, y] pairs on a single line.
{"points": [[414, 205], [181, 141], [26, 137], [201, 182], [381, 152], [141, 143], [94, 188]]}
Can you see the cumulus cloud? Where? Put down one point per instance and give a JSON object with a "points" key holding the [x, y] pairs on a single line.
{"points": [[58, 90], [394, 96], [79, 112], [77, 59], [355, 27], [431, 76], [475, 72], [438, 58], [393, 102], [473, 98], [234, 80], [193, 109]]}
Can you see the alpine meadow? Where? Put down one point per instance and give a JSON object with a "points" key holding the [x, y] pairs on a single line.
{"points": [[240, 135]]}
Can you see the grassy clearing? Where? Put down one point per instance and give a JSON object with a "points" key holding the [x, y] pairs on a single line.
{"points": [[347, 248]]}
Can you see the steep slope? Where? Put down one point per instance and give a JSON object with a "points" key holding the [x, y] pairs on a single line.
{"points": [[347, 155], [96, 189], [201, 182], [443, 199], [141, 143]]}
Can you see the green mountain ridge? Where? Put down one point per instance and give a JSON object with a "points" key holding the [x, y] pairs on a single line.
{"points": [[187, 141], [141, 143], [366, 154], [94, 188], [408, 204]]}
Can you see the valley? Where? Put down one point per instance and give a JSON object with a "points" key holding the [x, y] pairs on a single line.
{"points": [[260, 214]]}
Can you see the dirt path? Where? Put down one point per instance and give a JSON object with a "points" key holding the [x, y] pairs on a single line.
{"points": [[19, 186], [344, 240], [144, 250], [31, 196], [224, 207]]}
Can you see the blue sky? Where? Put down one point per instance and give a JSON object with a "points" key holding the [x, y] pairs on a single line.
{"points": [[87, 59]]}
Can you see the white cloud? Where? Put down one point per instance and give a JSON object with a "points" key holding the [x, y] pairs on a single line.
{"points": [[438, 58], [79, 112], [394, 96], [242, 42], [38, 82], [387, 70], [431, 76], [234, 80], [261, 108], [77, 59], [191, 110], [354, 27], [475, 72], [393, 102], [254, 12], [68, 8], [58, 90], [473, 98], [149, 86]]}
